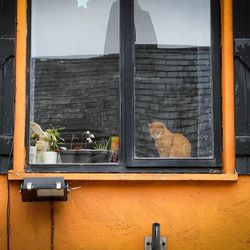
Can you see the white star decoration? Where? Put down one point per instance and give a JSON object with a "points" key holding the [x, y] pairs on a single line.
{"points": [[82, 3]]}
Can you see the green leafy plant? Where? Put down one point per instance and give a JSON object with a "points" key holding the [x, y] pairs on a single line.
{"points": [[102, 145], [34, 139], [54, 138]]}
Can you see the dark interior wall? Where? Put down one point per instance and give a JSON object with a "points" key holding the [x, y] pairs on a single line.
{"points": [[171, 85], [78, 94], [174, 86]]}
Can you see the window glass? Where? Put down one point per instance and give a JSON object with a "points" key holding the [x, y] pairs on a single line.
{"points": [[173, 79], [74, 81]]}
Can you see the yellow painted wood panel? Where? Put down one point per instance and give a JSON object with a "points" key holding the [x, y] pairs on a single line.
{"points": [[228, 143], [20, 91], [129, 177], [3, 207]]}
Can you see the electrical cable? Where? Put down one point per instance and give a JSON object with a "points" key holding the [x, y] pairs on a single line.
{"points": [[8, 214], [8, 202], [74, 188], [52, 221], [52, 233]]}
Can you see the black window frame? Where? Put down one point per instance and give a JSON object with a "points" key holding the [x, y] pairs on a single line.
{"points": [[127, 162]]}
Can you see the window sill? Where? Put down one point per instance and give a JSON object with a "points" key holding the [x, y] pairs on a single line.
{"points": [[128, 177]]}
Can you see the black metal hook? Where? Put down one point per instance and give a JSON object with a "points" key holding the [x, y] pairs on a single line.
{"points": [[156, 236]]}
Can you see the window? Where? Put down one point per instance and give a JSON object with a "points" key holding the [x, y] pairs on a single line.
{"points": [[130, 84], [75, 81]]}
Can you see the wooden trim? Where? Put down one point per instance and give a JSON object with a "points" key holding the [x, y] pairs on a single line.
{"points": [[19, 130], [228, 156], [129, 177]]}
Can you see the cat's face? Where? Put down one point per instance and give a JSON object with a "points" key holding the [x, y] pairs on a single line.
{"points": [[156, 129]]}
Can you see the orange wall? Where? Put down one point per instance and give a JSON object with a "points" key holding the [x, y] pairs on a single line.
{"points": [[117, 215]]}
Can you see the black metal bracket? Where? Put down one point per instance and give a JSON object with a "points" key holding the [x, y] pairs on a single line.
{"points": [[156, 242]]}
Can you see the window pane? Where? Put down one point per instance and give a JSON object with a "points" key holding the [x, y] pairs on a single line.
{"points": [[173, 79], [75, 80]]}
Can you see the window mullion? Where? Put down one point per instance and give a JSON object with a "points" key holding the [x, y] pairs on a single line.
{"points": [[128, 81]]}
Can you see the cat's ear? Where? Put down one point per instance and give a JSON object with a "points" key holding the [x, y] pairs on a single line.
{"points": [[162, 125], [149, 125]]}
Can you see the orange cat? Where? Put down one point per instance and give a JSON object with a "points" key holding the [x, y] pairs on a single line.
{"points": [[167, 143]]}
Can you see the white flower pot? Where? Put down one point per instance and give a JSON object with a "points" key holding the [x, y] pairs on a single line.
{"points": [[32, 154], [49, 157]]}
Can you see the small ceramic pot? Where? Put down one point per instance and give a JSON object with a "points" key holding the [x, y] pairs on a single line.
{"points": [[49, 157], [32, 154]]}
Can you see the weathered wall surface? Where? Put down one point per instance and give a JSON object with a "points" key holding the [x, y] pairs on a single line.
{"points": [[117, 215]]}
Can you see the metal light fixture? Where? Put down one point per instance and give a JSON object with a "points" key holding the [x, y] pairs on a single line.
{"points": [[44, 189]]}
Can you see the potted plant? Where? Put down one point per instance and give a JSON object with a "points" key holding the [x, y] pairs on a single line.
{"points": [[54, 140], [101, 153], [80, 154], [47, 145]]}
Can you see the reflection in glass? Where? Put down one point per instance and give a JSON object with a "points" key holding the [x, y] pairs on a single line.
{"points": [[173, 79], [75, 80]]}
